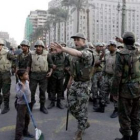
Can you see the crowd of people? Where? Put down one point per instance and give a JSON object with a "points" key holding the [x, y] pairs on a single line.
{"points": [[100, 72]]}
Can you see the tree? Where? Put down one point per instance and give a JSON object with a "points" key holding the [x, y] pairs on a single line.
{"points": [[77, 5]]}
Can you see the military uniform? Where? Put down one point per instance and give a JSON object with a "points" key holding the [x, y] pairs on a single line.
{"points": [[97, 77], [60, 61], [24, 60], [5, 76], [38, 75], [107, 81], [78, 93], [126, 85]]}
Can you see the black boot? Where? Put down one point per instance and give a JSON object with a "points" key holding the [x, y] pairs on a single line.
{"points": [[43, 109], [6, 108], [100, 109], [27, 134], [52, 104], [135, 135], [123, 138], [115, 113], [59, 104]]}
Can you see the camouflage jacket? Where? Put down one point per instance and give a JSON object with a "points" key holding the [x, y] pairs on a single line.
{"points": [[126, 83]]}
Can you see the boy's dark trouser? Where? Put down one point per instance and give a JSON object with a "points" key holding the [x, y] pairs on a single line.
{"points": [[56, 87], [129, 115], [23, 120]]}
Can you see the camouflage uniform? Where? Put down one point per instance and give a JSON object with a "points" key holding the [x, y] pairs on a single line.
{"points": [[78, 93], [56, 81], [5, 76], [126, 85], [97, 77]]}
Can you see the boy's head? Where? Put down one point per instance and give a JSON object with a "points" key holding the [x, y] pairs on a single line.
{"points": [[22, 74]]}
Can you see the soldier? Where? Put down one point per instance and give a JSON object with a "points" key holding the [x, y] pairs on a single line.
{"points": [[67, 72], [39, 73], [60, 62], [97, 74], [81, 65], [24, 58], [126, 88], [5, 77], [107, 81]]}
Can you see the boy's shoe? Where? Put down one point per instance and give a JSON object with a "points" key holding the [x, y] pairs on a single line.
{"points": [[28, 135]]}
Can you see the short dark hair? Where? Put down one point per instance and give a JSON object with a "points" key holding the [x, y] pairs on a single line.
{"points": [[21, 72]]}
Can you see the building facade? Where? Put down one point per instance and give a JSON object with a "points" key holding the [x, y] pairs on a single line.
{"points": [[35, 20], [105, 20]]}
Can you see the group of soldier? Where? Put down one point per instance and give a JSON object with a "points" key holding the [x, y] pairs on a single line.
{"points": [[112, 70]]}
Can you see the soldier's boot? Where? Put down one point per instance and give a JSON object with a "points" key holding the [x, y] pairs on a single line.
{"points": [[27, 134], [52, 104], [100, 109], [43, 109], [124, 138], [135, 135], [115, 113], [78, 135], [6, 108], [95, 103], [59, 104]]}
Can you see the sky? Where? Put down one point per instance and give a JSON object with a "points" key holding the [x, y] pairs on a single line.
{"points": [[13, 14]]}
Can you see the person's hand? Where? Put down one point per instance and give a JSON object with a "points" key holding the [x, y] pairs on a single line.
{"points": [[54, 67], [115, 98], [119, 39], [57, 47], [49, 74]]}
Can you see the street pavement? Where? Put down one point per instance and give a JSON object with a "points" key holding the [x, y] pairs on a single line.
{"points": [[53, 124]]}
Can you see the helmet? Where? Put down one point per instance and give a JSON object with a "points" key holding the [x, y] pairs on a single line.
{"points": [[99, 44], [39, 43], [120, 45], [25, 42], [2, 41], [79, 35], [112, 42], [90, 45], [129, 38]]}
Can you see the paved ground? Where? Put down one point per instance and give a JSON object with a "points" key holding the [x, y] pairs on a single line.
{"points": [[53, 124]]}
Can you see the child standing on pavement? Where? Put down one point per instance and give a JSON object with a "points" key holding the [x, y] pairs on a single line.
{"points": [[23, 118]]}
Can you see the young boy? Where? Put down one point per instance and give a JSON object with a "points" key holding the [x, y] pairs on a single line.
{"points": [[23, 118]]}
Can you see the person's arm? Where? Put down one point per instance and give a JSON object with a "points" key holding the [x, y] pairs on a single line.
{"points": [[117, 76], [50, 64], [70, 51]]}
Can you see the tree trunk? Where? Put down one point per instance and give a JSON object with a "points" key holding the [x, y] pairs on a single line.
{"points": [[88, 26], [49, 36], [78, 13], [54, 32], [58, 31], [65, 31]]}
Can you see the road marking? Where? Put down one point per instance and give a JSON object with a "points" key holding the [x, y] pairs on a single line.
{"points": [[62, 124]]}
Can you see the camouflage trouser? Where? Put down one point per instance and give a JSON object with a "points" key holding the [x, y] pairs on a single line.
{"points": [[5, 84], [78, 102], [41, 79], [129, 115], [22, 122], [106, 88], [96, 84]]}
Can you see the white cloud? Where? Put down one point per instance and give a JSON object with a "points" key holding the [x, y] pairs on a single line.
{"points": [[13, 15]]}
